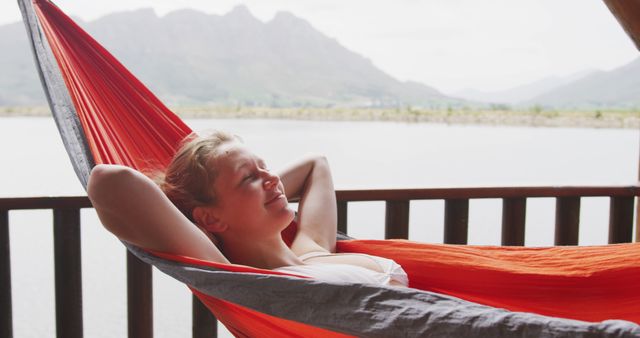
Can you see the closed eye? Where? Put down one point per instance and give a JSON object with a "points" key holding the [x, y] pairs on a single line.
{"points": [[254, 174]]}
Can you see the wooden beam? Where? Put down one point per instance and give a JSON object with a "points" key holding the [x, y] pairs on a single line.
{"points": [[483, 192], [18, 203], [628, 14]]}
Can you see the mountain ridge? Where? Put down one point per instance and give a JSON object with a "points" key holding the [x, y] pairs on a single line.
{"points": [[523, 92], [619, 88], [189, 57]]}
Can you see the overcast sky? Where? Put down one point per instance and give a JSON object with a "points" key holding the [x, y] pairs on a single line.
{"points": [[448, 44]]}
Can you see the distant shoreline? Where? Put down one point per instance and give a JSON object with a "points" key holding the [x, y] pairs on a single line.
{"points": [[529, 118]]}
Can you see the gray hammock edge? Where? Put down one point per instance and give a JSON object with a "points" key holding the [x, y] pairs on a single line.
{"points": [[375, 311]]}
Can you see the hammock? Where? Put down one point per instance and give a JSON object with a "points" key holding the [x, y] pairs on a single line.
{"points": [[105, 115]]}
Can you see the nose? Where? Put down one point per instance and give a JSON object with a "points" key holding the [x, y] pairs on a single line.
{"points": [[270, 180]]}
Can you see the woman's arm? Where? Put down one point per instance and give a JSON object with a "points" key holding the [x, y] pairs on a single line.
{"points": [[310, 180], [134, 209]]}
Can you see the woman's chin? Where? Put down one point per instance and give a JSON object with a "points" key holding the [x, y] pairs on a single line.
{"points": [[291, 214], [287, 215]]}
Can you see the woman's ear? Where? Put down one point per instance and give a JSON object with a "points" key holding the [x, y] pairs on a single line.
{"points": [[206, 219]]}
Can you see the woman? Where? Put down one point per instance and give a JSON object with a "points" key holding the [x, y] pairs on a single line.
{"points": [[232, 198]]}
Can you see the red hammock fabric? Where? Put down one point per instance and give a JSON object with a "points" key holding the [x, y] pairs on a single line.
{"points": [[123, 121], [126, 124], [592, 283]]}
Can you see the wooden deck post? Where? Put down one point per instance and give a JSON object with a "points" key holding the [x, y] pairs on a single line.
{"points": [[204, 323], [139, 298], [397, 219], [567, 221], [6, 310], [342, 216], [68, 272], [621, 220], [456, 221], [514, 211]]}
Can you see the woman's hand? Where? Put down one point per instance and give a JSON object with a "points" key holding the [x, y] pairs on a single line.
{"points": [[310, 180], [134, 209]]}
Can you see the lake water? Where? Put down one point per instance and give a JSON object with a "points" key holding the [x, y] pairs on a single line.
{"points": [[362, 155]]}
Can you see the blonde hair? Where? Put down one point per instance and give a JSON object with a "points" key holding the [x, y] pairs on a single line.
{"points": [[188, 180]]}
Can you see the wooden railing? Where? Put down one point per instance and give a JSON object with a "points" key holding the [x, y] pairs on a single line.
{"points": [[68, 275], [514, 201]]}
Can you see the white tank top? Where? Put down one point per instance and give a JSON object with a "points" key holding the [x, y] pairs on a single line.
{"points": [[331, 272]]}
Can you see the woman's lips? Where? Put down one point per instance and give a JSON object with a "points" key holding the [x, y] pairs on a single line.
{"points": [[275, 198]]}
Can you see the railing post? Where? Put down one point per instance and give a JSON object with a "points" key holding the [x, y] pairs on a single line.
{"points": [[6, 310], [68, 273], [456, 221], [514, 211], [397, 220], [204, 323], [342, 216], [621, 220], [567, 220], [139, 298]]}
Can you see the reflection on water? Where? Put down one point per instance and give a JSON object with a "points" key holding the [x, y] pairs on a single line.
{"points": [[362, 155]]}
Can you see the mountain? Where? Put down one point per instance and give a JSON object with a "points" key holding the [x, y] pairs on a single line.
{"points": [[521, 93], [617, 88], [188, 57], [19, 83]]}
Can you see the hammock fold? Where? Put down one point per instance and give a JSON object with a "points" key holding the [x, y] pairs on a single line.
{"points": [[123, 122], [106, 115]]}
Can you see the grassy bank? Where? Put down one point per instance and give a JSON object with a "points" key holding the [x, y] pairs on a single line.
{"points": [[533, 117]]}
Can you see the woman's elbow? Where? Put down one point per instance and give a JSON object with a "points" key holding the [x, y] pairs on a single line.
{"points": [[103, 182], [320, 163], [317, 160]]}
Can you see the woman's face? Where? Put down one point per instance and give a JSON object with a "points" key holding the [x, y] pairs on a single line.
{"points": [[250, 199]]}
